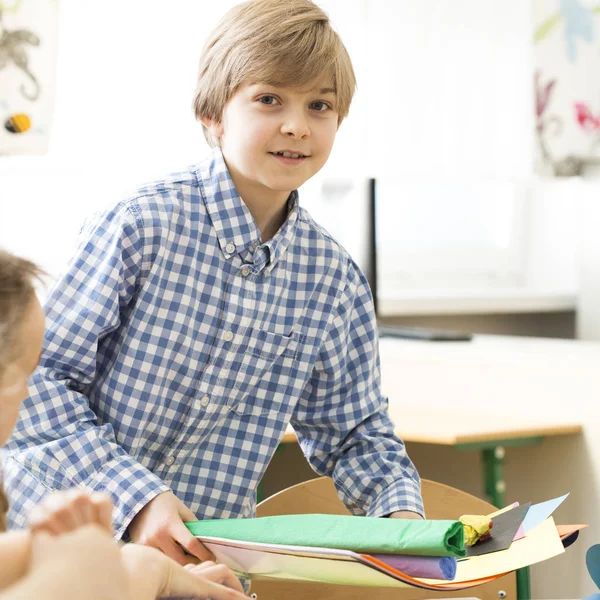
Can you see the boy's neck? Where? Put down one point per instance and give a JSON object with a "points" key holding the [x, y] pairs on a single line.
{"points": [[268, 207], [269, 215]]}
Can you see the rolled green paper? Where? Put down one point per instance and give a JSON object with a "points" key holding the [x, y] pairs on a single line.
{"points": [[360, 534]]}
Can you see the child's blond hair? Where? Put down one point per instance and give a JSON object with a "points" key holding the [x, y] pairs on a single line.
{"points": [[286, 43], [17, 290]]}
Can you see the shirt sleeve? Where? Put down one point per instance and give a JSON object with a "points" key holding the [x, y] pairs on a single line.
{"points": [[342, 421], [59, 442]]}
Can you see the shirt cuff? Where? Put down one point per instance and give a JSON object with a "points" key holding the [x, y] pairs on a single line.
{"points": [[131, 486], [403, 495]]}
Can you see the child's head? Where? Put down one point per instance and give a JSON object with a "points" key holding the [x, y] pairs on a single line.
{"points": [[264, 61], [21, 335]]}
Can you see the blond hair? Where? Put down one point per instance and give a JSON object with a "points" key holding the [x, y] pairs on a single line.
{"points": [[17, 290], [285, 43]]}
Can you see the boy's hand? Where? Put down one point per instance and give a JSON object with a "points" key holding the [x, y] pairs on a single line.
{"points": [[85, 563], [61, 512], [406, 514], [160, 525]]}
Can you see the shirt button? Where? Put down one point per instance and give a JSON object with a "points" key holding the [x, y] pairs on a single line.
{"points": [[169, 461], [230, 248], [205, 400], [245, 271], [228, 336]]}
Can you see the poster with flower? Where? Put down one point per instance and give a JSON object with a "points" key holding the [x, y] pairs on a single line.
{"points": [[28, 37]]}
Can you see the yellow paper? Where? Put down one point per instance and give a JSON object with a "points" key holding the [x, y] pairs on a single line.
{"points": [[540, 544], [503, 510]]}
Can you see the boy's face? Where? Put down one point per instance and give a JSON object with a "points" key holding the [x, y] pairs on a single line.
{"points": [[13, 382], [262, 121]]}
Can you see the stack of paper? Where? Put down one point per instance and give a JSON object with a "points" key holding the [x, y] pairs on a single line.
{"points": [[357, 551]]}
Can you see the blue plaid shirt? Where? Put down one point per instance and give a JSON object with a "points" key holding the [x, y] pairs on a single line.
{"points": [[179, 347]]}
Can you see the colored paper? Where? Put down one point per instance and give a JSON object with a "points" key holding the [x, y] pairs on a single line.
{"points": [[538, 513], [569, 540], [541, 543], [326, 565], [323, 565], [432, 567], [360, 534], [505, 527], [569, 533]]}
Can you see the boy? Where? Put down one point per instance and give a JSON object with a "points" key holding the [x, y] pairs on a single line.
{"points": [[207, 311]]}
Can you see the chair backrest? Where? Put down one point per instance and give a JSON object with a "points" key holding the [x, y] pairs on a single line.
{"points": [[319, 496]]}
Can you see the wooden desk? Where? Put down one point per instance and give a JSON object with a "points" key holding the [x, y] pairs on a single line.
{"points": [[454, 429], [472, 432], [483, 378]]}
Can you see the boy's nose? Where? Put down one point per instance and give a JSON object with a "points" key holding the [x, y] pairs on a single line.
{"points": [[296, 127]]}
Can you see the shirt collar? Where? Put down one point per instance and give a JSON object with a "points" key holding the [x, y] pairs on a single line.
{"points": [[278, 244], [235, 227]]}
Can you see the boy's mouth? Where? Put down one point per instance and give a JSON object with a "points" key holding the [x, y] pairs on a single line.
{"points": [[289, 154], [289, 158]]}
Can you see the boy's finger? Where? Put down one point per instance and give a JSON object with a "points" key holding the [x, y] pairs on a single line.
{"points": [[190, 544], [172, 549]]}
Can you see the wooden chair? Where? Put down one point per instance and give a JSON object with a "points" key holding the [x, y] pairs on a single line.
{"points": [[319, 496]]}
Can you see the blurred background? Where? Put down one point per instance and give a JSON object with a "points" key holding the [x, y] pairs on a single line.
{"points": [[473, 234]]}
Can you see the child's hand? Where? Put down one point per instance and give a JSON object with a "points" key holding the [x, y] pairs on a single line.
{"points": [[160, 525], [62, 512], [83, 564], [152, 575], [216, 573]]}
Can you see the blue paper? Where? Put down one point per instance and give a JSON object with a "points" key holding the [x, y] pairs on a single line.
{"points": [[538, 513]]}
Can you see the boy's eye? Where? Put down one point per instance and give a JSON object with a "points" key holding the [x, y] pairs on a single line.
{"points": [[268, 100], [320, 106]]}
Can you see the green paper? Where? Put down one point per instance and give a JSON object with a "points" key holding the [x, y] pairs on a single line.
{"points": [[359, 534]]}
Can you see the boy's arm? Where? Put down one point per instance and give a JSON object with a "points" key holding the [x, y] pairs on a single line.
{"points": [[59, 442], [341, 419]]}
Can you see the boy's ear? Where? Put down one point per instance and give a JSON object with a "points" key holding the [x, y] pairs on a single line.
{"points": [[215, 127]]}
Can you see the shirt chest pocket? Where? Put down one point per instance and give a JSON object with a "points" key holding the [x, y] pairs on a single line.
{"points": [[265, 368]]}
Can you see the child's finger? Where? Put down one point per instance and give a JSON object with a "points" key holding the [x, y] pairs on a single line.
{"points": [[103, 510], [40, 522], [78, 504], [216, 591], [218, 574], [202, 565], [52, 517]]}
